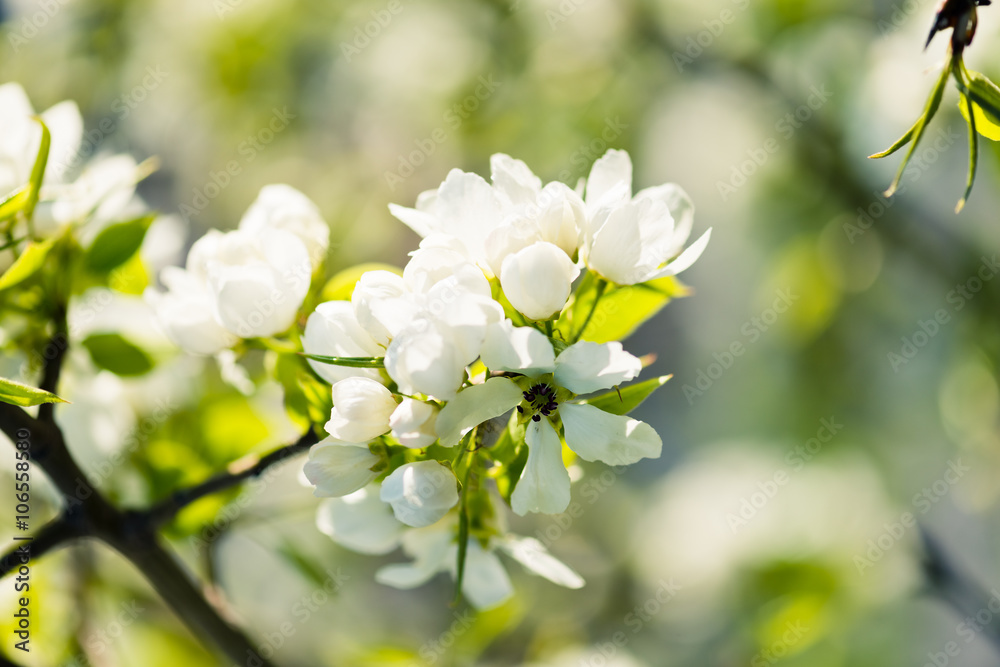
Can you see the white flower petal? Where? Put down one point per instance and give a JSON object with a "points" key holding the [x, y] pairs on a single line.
{"points": [[361, 410], [680, 206], [686, 258], [338, 468], [485, 583], [283, 207], [413, 422], [514, 180], [616, 249], [360, 521], [333, 330], [533, 555], [382, 305], [544, 483], [474, 405], [430, 548], [420, 493], [425, 358], [617, 440], [522, 350], [585, 366], [610, 179]]}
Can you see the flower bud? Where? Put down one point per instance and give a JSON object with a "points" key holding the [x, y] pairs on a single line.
{"points": [[338, 468], [420, 493], [413, 422], [537, 280], [361, 410]]}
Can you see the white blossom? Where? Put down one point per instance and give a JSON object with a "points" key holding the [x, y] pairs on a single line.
{"points": [[420, 493], [361, 410], [339, 468]]}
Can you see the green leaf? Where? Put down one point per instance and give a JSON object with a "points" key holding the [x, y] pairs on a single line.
{"points": [[350, 362], [620, 311], [625, 400], [985, 97], [112, 352], [917, 131], [14, 202], [341, 286], [116, 244], [38, 171], [970, 116], [25, 395], [30, 261]]}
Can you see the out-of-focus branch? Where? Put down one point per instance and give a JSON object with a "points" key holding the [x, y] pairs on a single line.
{"points": [[168, 509], [51, 536], [947, 582]]}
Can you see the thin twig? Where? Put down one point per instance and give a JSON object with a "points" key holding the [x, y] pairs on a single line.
{"points": [[51, 536], [166, 510]]}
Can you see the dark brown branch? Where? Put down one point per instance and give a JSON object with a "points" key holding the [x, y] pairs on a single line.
{"points": [[177, 588], [51, 536], [53, 356], [133, 534], [166, 510]]}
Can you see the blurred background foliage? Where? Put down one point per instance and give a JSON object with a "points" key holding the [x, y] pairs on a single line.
{"points": [[764, 110]]}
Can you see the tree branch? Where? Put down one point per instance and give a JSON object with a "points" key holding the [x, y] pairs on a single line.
{"points": [[54, 353], [177, 588], [166, 510], [956, 588], [51, 536]]}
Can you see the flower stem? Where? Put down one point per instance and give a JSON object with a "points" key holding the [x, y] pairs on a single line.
{"points": [[602, 285]]}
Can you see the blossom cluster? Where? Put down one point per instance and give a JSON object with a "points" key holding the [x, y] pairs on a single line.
{"points": [[468, 380]]}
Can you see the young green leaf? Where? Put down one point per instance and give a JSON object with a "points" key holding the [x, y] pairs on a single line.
{"points": [[917, 131], [351, 362], [985, 97], [116, 243], [14, 202], [30, 261], [620, 310], [24, 395], [38, 170], [112, 352], [623, 401]]}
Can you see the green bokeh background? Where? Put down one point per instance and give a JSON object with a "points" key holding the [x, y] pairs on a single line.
{"points": [[764, 111]]}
